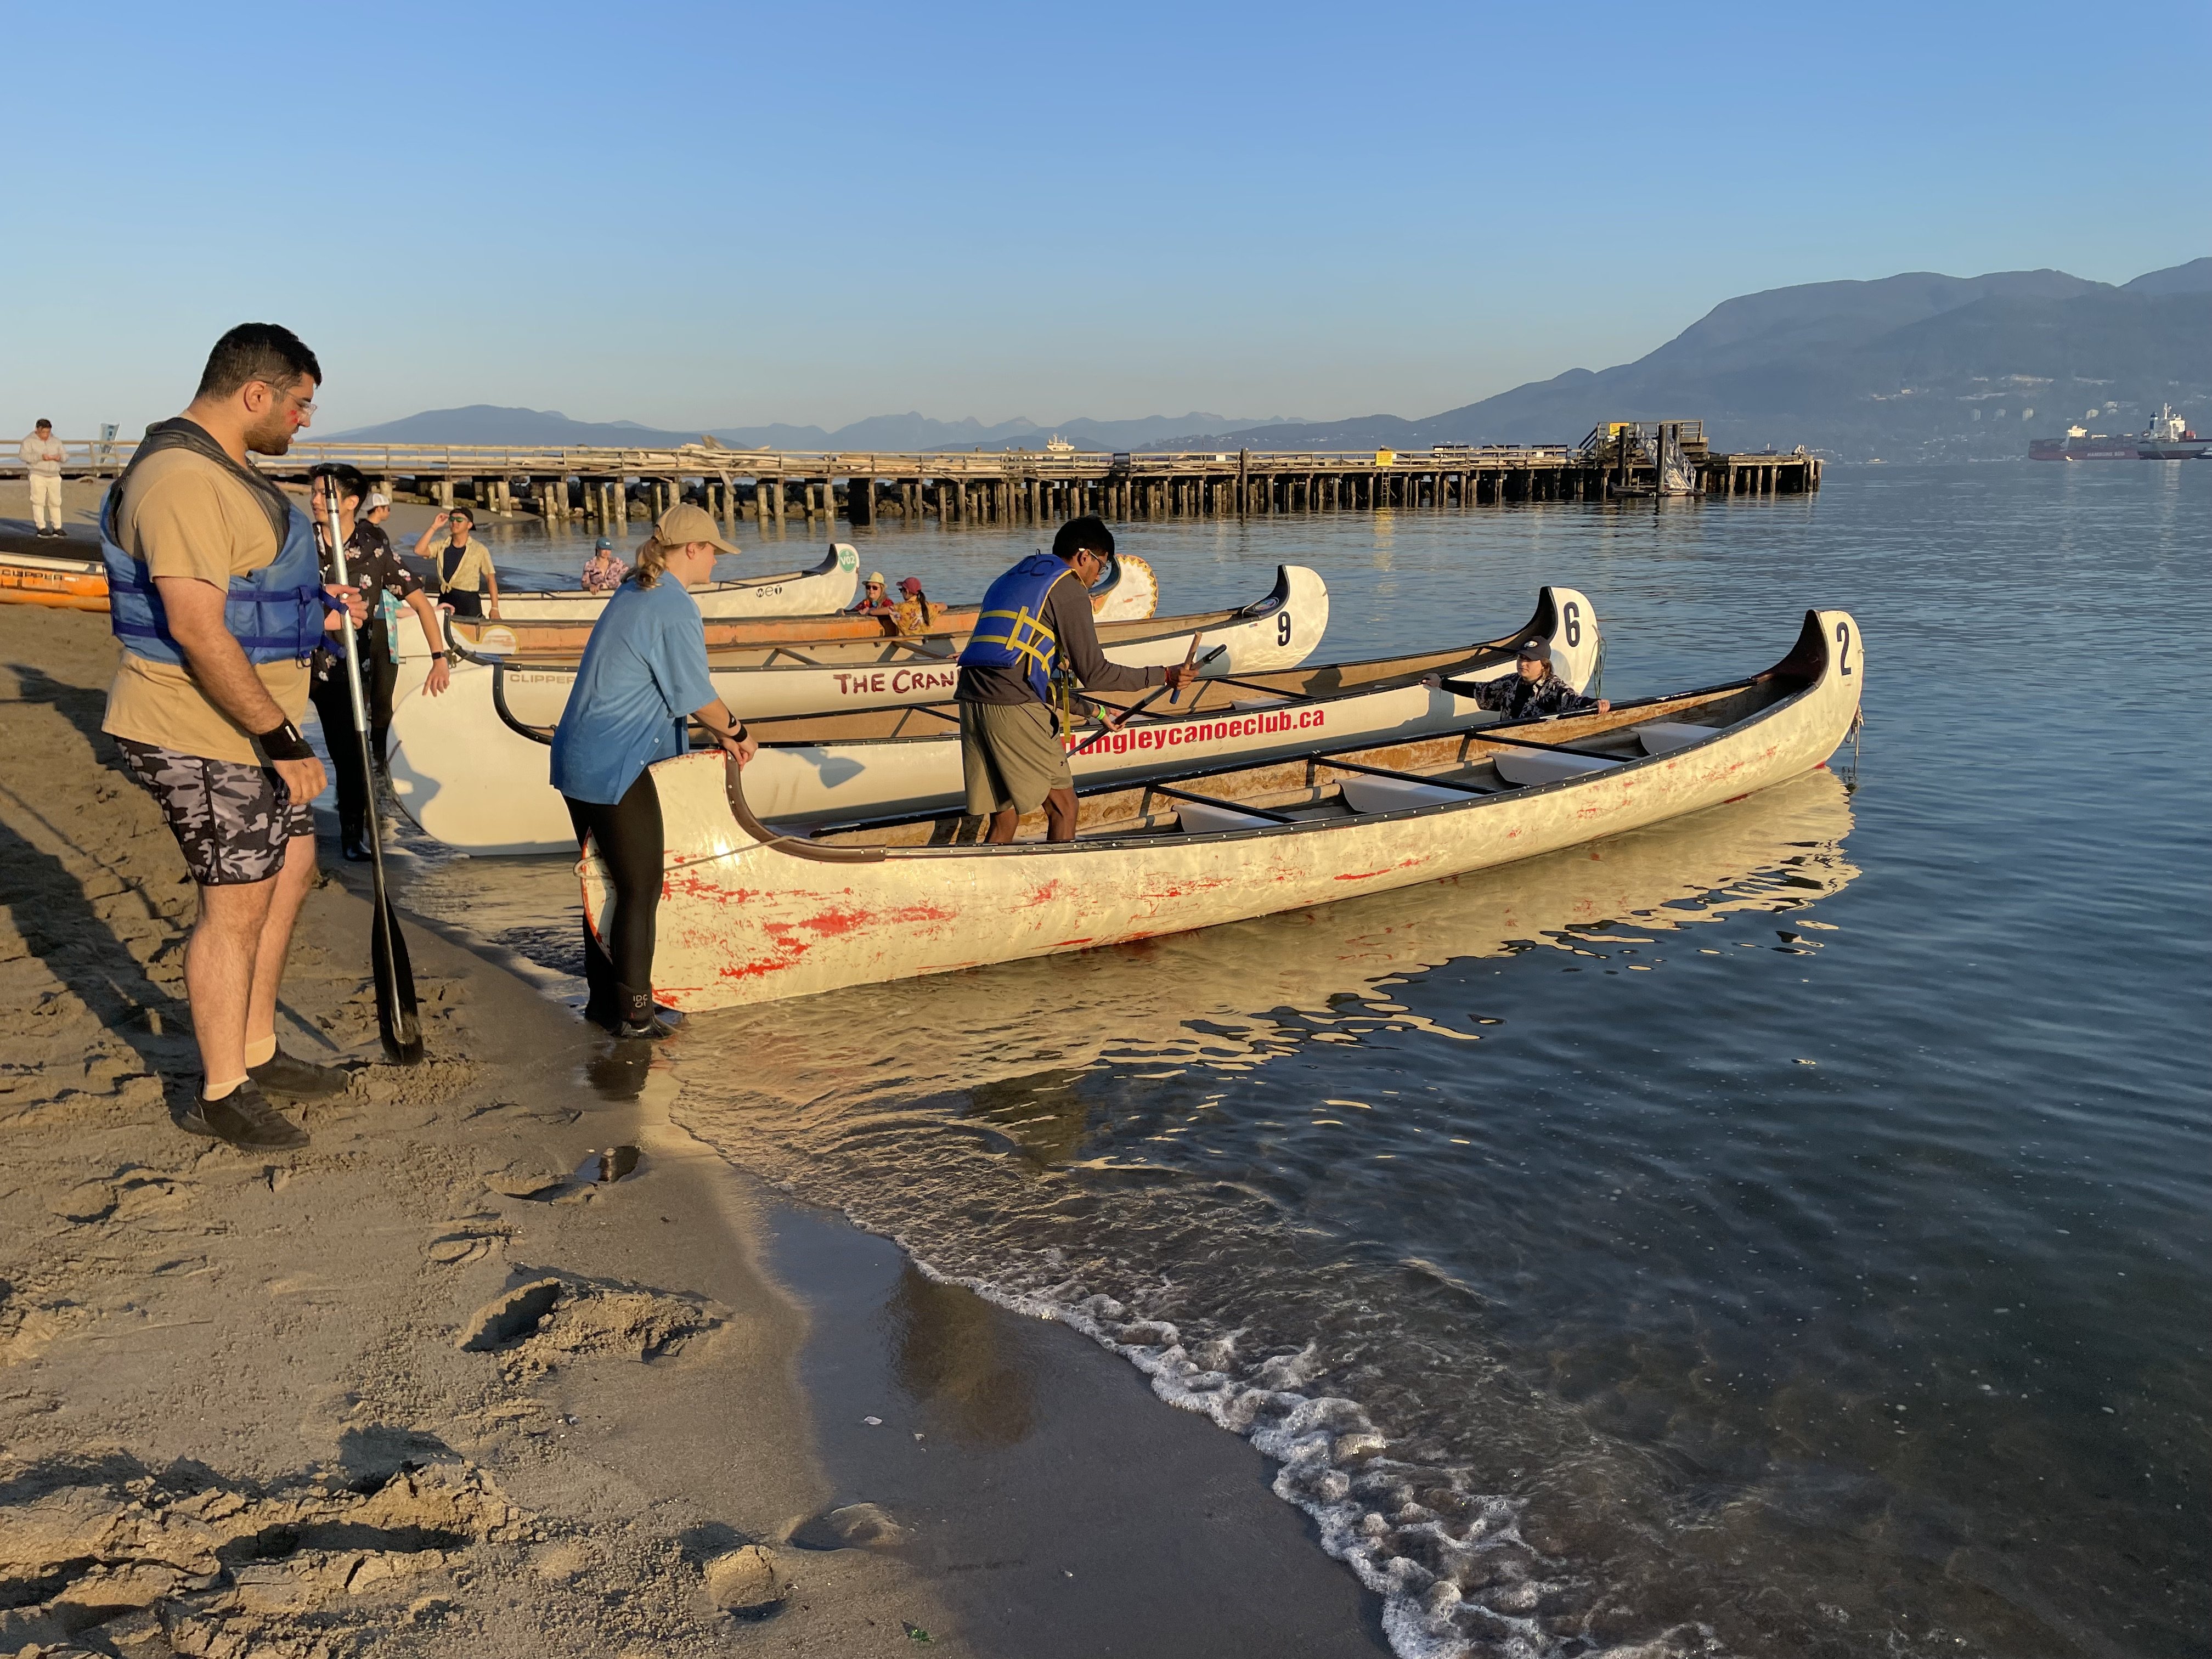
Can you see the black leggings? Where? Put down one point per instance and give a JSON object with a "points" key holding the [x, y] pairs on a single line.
{"points": [[334, 700], [629, 841]]}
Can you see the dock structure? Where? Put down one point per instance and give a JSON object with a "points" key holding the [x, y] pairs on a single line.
{"points": [[607, 487]]}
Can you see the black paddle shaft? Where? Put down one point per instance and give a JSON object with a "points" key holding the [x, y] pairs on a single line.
{"points": [[1141, 705], [396, 1022]]}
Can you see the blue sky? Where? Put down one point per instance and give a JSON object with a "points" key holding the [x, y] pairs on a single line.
{"points": [[722, 215]]}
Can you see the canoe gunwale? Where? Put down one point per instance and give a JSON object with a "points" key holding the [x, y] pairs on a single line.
{"points": [[1792, 667], [735, 584], [950, 620], [1470, 658], [939, 647]]}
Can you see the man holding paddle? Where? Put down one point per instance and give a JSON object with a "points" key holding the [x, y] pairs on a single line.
{"points": [[1035, 635], [217, 593]]}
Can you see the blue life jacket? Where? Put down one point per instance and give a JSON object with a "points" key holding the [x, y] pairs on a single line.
{"points": [[1010, 632], [273, 613]]}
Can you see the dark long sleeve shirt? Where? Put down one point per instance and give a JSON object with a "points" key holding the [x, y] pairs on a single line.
{"points": [[1520, 699], [1075, 634]]}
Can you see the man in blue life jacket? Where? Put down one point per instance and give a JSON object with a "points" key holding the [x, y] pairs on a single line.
{"points": [[216, 594], [1036, 627]]}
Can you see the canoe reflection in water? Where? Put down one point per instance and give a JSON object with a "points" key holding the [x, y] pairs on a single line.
{"points": [[1237, 996]]}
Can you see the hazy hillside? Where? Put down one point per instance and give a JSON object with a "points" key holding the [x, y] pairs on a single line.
{"points": [[1918, 365], [492, 424]]}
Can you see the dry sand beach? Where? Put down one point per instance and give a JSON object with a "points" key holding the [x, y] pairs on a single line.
{"points": [[429, 1387]]}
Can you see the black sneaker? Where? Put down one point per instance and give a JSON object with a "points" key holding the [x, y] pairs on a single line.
{"points": [[244, 1119], [653, 1029], [295, 1079]]}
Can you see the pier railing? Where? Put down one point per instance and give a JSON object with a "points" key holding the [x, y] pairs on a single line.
{"points": [[96, 458], [604, 484]]}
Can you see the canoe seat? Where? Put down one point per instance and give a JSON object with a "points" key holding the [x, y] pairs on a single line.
{"points": [[1527, 766], [1665, 737], [1199, 820], [1389, 795]]}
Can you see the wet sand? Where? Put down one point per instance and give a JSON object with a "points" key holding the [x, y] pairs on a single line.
{"points": [[418, 1389]]}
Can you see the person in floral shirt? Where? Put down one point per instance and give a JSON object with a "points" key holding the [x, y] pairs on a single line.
{"points": [[604, 571]]}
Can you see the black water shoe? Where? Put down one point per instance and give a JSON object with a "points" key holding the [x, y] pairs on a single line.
{"points": [[296, 1079], [631, 1030], [244, 1119], [354, 850]]}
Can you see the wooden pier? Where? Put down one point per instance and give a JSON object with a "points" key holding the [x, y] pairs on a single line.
{"points": [[607, 487]]}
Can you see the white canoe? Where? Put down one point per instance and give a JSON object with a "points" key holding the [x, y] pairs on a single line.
{"points": [[907, 760], [1220, 994], [750, 915], [763, 611], [828, 586], [468, 778]]}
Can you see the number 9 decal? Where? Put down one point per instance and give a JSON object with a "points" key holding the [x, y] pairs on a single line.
{"points": [[1283, 629], [1574, 624], [1844, 650]]}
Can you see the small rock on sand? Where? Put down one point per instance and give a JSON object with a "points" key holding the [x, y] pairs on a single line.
{"points": [[746, 1581]]}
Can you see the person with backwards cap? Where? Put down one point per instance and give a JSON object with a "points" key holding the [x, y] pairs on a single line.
{"points": [[1036, 627], [604, 571], [462, 569], [1533, 692], [643, 679]]}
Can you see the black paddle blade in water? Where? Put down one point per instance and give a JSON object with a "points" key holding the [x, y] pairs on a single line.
{"points": [[396, 1022]]}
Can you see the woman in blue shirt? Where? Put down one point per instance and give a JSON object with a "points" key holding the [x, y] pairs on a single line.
{"points": [[643, 679]]}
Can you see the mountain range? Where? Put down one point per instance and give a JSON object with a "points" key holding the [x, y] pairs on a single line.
{"points": [[490, 423], [1916, 366]]}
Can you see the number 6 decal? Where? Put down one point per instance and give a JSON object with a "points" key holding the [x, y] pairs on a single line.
{"points": [[1843, 649], [1283, 629], [1574, 624]]}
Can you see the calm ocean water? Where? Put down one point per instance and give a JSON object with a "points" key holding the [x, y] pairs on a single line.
{"points": [[1833, 1281]]}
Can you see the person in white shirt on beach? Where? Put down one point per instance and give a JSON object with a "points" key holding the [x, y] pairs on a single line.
{"points": [[43, 455]]}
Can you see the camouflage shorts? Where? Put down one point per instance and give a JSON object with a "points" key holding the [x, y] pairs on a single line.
{"points": [[233, 819]]}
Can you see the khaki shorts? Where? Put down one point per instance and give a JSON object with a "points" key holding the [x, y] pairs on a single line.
{"points": [[1010, 756]]}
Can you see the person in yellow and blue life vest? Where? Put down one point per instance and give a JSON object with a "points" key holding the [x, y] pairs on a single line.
{"points": [[642, 681], [1036, 627], [216, 595], [1534, 691]]}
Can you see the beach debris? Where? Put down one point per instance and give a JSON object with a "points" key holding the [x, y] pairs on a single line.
{"points": [[460, 1247], [873, 1422], [544, 1317], [848, 1527], [916, 1633], [747, 1582], [510, 1317], [102, 1542]]}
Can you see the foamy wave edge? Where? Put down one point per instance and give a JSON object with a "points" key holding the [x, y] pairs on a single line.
{"points": [[1476, 1594]]}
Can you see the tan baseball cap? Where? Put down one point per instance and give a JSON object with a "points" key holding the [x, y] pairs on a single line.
{"points": [[682, 525]]}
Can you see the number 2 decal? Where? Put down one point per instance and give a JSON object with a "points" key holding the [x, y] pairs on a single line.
{"points": [[1574, 624], [1843, 649], [1283, 629]]}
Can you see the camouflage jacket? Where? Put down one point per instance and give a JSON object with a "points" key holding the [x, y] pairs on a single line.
{"points": [[1519, 699]]}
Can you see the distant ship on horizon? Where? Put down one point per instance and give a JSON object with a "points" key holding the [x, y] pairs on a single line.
{"points": [[2168, 439]]}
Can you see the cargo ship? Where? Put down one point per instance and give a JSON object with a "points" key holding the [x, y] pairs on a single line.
{"points": [[2169, 439]]}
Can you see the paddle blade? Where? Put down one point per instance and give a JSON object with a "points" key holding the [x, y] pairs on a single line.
{"points": [[396, 1021]]}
